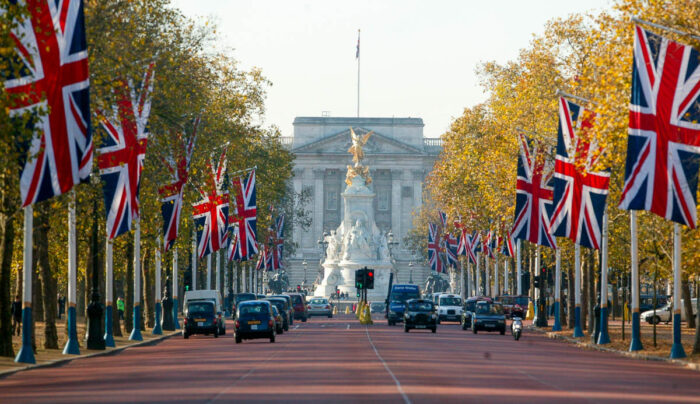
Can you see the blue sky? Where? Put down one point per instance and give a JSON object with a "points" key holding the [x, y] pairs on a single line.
{"points": [[418, 58]]}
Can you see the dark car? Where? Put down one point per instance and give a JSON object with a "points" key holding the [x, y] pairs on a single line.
{"points": [[200, 318], [489, 317], [290, 308], [300, 310], [279, 322], [419, 314], [281, 305], [646, 302], [514, 305], [468, 311], [254, 319], [242, 297]]}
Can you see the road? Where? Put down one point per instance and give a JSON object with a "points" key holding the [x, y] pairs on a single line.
{"points": [[340, 360]]}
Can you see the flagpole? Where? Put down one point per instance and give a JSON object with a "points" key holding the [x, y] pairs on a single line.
{"points": [[157, 330], [72, 347], [109, 297], [636, 342], [578, 332], [677, 350], [136, 330], [358, 73], [26, 353], [175, 288], [496, 288], [194, 261], [505, 276], [557, 291], [519, 269], [218, 271], [603, 337], [663, 27], [478, 276], [208, 286]]}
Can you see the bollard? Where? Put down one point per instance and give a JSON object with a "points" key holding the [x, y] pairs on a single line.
{"points": [[530, 311], [347, 309]]}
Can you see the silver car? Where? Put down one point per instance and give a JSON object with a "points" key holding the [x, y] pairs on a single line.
{"points": [[319, 306]]}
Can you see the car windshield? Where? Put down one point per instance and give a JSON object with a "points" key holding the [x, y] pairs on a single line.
{"points": [[296, 299], [485, 308], [319, 301], [200, 308], [450, 301], [253, 309], [278, 303], [275, 312], [243, 297], [401, 297], [420, 306]]}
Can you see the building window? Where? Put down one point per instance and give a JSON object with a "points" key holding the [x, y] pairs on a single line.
{"points": [[383, 199], [332, 199]]}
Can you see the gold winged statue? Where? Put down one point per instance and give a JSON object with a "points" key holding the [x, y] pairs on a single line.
{"points": [[357, 156]]}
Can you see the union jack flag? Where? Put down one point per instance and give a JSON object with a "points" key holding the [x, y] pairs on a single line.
{"points": [[277, 241], [171, 194], [434, 249], [263, 261], [123, 151], [465, 242], [451, 247], [245, 219], [211, 214], [533, 202], [663, 146], [49, 71], [475, 246], [508, 246], [579, 192], [488, 244]]}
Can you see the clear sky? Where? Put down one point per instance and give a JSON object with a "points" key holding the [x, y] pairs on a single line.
{"points": [[418, 58]]}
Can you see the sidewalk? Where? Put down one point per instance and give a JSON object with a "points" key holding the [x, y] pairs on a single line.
{"points": [[55, 357], [620, 346]]}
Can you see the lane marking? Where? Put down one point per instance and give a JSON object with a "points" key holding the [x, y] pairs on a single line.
{"points": [[398, 384], [348, 327], [296, 326]]}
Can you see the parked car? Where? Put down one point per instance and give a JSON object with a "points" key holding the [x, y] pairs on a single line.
{"points": [[281, 305], [514, 304], [290, 307], [420, 314], [646, 302], [299, 306], [449, 307], [468, 310], [254, 319], [319, 306], [279, 322], [209, 295], [200, 318], [488, 317], [664, 313], [242, 297]]}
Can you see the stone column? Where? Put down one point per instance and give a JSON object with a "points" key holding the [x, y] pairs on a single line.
{"points": [[296, 232], [396, 203], [318, 203], [418, 177]]}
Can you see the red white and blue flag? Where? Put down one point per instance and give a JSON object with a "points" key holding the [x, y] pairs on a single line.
{"points": [[121, 157], [451, 247], [211, 213], [171, 194], [435, 248], [579, 192], [263, 260], [508, 246], [488, 244], [663, 143], [244, 217], [49, 72], [475, 246], [533, 201]]}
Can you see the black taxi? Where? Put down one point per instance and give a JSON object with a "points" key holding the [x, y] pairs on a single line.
{"points": [[419, 314]]}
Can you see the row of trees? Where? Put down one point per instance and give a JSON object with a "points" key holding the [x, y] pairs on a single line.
{"points": [[191, 80], [589, 55]]}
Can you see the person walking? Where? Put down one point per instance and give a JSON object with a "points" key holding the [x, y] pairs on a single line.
{"points": [[61, 305], [16, 315], [120, 308]]}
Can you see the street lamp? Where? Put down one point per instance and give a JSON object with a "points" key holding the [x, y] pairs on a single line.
{"points": [[305, 264], [410, 271]]}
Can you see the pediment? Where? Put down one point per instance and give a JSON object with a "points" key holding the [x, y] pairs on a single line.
{"points": [[339, 143]]}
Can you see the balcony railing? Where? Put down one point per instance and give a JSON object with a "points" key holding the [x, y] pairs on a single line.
{"points": [[432, 145]]}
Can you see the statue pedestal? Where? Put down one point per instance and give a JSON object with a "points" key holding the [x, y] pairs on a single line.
{"points": [[357, 243]]}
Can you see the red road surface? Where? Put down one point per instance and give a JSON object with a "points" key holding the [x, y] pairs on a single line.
{"points": [[323, 360]]}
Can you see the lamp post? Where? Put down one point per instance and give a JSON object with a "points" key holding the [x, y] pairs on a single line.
{"points": [[391, 243], [305, 265], [410, 271]]}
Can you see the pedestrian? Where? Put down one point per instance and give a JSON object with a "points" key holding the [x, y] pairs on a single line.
{"points": [[120, 308], [61, 305], [16, 315]]}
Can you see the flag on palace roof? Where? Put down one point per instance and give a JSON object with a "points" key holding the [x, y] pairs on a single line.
{"points": [[663, 143]]}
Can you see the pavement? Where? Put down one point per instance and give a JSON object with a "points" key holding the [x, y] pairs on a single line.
{"points": [[340, 360]]}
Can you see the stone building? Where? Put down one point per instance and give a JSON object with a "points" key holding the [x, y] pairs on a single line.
{"points": [[399, 158]]}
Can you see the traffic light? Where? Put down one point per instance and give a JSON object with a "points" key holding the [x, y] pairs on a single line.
{"points": [[369, 279], [359, 279]]}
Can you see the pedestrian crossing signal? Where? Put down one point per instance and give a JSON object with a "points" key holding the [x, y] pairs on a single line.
{"points": [[369, 279]]}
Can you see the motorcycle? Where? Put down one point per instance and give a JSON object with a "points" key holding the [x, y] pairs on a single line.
{"points": [[516, 327]]}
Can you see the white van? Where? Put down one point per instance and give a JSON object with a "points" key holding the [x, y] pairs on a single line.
{"points": [[664, 313], [208, 295], [449, 307]]}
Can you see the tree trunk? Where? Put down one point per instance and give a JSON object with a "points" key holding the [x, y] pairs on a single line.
{"points": [[562, 312], [591, 290], [37, 292], [147, 292], [129, 280], [7, 237], [48, 280], [571, 298], [584, 292], [696, 346], [687, 304]]}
